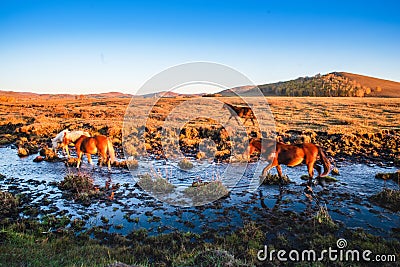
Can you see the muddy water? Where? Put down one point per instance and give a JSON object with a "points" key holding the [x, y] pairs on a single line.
{"points": [[132, 208]]}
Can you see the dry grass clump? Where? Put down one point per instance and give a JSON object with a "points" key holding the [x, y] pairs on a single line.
{"points": [[126, 164], [273, 179], [387, 198], [207, 191], [323, 218], [185, 164], [81, 187], [155, 184]]}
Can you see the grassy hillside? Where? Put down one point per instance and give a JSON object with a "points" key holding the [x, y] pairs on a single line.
{"points": [[335, 84], [388, 88]]}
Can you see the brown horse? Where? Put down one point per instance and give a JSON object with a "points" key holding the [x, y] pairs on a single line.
{"points": [[244, 112], [93, 145], [291, 155]]}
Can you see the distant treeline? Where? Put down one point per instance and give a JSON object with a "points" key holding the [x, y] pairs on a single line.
{"points": [[332, 84]]}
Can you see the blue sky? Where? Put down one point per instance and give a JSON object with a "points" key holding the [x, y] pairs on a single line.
{"points": [[99, 46]]}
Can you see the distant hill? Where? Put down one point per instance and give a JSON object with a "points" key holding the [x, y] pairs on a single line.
{"points": [[169, 94], [388, 88], [10, 96], [332, 84]]}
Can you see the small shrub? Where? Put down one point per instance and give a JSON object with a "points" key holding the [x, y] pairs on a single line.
{"points": [[323, 218], [273, 179], [22, 152], [387, 198], [81, 187], [206, 191], [185, 164], [156, 185]]}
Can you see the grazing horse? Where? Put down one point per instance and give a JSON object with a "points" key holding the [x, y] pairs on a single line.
{"points": [[292, 155], [65, 137], [244, 112], [93, 145]]}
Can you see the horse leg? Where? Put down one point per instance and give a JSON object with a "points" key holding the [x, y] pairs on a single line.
{"points": [[67, 151], [267, 169], [310, 167], [80, 154], [318, 168], [89, 158], [279, 169]]}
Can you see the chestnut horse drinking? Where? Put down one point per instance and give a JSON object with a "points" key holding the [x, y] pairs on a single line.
{"points": [[93, 145], [65, 137], [292, 155]]}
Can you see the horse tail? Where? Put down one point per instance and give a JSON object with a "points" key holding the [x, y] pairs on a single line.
{"points": [[325, 162], [111, 151]]}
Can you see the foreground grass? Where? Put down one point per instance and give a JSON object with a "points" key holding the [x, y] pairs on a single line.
{"points": [[22, 249], [29, 244]]}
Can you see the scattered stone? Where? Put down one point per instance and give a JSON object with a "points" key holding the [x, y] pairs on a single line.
{"points": [[335, 171], [22, 152], [395, 176], [49, 154], [38, 159], [71, 162]]}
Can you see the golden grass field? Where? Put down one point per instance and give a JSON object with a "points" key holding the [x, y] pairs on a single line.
{"points": [[332, 115]]}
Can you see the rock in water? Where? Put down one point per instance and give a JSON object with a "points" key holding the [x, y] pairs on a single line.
{"points": [[38, 159], [49, 154], [22, 152]]}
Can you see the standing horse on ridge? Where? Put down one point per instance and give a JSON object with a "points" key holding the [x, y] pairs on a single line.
{"points": [[244, 112]]}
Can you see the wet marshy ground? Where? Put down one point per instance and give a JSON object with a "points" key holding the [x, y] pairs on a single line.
{"points": [[131, 208]]}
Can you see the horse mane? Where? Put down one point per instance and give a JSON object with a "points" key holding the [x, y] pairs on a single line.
{"points": [[60, 135]]}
